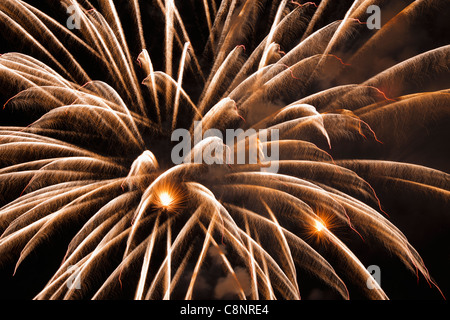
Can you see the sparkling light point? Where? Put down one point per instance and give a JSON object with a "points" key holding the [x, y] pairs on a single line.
{"points": [[319, 226], [165, 199]]}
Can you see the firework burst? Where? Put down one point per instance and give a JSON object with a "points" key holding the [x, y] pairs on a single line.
{"points": [[94, 167]]}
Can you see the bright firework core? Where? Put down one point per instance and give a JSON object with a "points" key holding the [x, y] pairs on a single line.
{"points": [[319, 226], [165, 199]]}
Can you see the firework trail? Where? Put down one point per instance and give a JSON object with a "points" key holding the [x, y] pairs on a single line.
{"points": [[94, 166]]}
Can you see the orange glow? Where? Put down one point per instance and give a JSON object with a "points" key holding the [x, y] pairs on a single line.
{"points": [[165, 199], [168, 198], [319, 226]]}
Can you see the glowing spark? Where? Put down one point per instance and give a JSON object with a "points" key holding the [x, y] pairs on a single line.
{"points": [[165, 199], [319, 226], [169, 198]]}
